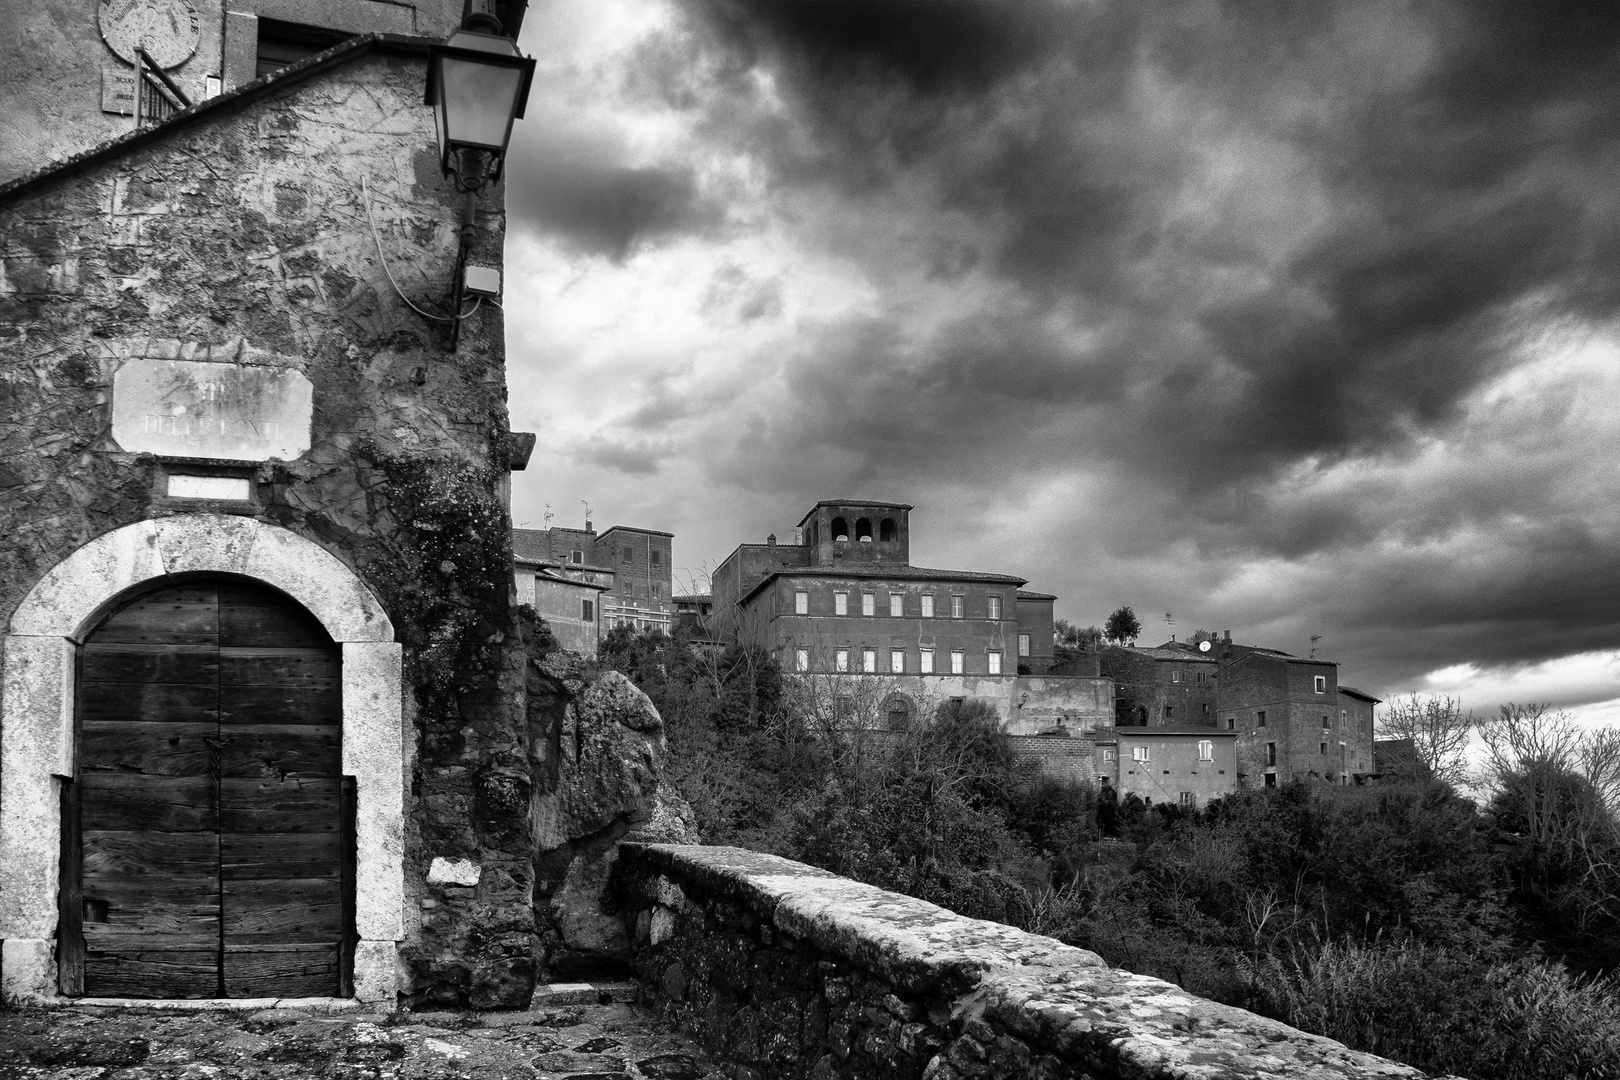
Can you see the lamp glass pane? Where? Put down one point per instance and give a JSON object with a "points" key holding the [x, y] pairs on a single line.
{"points": [[479, 100]]}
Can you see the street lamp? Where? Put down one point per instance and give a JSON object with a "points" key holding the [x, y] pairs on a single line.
{"points": [[478, 84]]}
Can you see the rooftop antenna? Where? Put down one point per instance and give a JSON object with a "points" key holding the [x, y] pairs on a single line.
{"points": [[549, 515], [1314, 639], [587, 515], [1170, 621]]}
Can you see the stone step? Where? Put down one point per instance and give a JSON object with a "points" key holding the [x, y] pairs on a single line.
{"points": [[555, 995]]}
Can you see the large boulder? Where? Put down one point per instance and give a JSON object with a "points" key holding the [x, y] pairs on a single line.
{"points": [[597, 746]]}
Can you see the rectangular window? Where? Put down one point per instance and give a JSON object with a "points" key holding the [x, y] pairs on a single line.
{"points": [[658, 590], [869, 661], [624, 556], [995, 607], [1206, 750], [897, 605], [897, 661], [587, 610], [801, 659], [1023, 644], [840, 603], [956, 605], [994, 657], [1175, 676], [1321, 684], [1139, 753], [1231, 723], [1271, 753], [1108, 755], [1327, 724], [1271, 779], [1344, 718], [1169, 712], [1323, 750], [1206, 708], [1260, 718], [958, 662], [928, 605], [868, 604], [577, 556], [926, 662], [1187, 799], [655, 556], [801, 602], [841, 660]]}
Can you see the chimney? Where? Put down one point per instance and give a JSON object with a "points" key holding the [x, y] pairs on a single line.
{"points": [[798, 537], [1226, 636], [588, 525], [770, 541]]}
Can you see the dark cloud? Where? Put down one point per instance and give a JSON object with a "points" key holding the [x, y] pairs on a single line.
{"points": [[611, 210], [1246, 266]]}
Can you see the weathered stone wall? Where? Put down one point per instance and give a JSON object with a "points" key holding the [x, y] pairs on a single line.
{"points": [[792, 972], [239, 235]]}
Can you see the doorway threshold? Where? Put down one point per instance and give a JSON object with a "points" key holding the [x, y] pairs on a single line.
{"points": [[307, 1004]]}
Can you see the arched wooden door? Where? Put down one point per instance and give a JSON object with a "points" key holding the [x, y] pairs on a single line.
{"points": [[207, 840]]}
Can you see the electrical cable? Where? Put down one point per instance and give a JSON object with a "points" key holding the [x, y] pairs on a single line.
{"points": [[365, 193]]}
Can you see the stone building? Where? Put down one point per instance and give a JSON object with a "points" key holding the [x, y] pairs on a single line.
{"points": [[1188, 765], [884, 640], [255, 579], [1168, 685], [1292, 721], [634, 562], [567, 593]]}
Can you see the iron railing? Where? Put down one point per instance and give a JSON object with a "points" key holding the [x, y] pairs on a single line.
{"points": [[156, 96]]}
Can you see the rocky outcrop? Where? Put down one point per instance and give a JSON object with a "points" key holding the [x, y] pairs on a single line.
{"points": [[597, 748], [792, 972]]}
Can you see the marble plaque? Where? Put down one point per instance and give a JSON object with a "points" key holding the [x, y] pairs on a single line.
{"points": [[117, 88], [193, 409]]}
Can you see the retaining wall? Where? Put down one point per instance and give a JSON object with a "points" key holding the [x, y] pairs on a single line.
{"points": [[788, 971]]}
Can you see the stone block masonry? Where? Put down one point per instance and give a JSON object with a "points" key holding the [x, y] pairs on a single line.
{"points": [[236, 238], [790, 972]]}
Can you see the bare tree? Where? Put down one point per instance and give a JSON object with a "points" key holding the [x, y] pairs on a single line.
{"points": [[1439, 730]]}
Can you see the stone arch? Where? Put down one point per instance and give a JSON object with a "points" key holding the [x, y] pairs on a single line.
{"points": [[887, 533], [36, 721], [863, 530], [840, 529]]}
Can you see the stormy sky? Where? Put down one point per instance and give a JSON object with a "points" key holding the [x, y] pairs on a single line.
{"points": [[1291, 319]]}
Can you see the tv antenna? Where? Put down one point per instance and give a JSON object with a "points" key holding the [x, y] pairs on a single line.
{"points": [[587, 514], [1314, 639], [549, 515]]}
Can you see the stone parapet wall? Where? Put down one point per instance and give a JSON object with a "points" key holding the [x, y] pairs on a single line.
{"points": [[788, 971]]}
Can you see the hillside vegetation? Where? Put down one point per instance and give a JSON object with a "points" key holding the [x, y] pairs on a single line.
{"points": [[1401, 919]]}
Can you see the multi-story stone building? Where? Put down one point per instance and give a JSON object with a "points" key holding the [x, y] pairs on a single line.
{"points": [[1172, 684], [634, 563], [1188, 765], [1292, 721], [845, 606]]}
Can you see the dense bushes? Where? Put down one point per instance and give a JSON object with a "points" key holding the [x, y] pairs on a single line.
{"points": [[1397, 918]]}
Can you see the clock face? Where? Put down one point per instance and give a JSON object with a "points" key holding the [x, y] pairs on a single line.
{"points": [[166, 29]]}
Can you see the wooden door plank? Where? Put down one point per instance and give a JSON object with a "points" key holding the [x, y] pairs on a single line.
{"points": [[300, 971], [255, 617], [288, 911], [134, 802], [175, 614], [273, 750], [278, 667], [143, 855], [70, 900], [267, 856], [267, 805], [184, 907], [191, 664], [153, 973], [155, 749], [317, 703], [151, 703]]}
